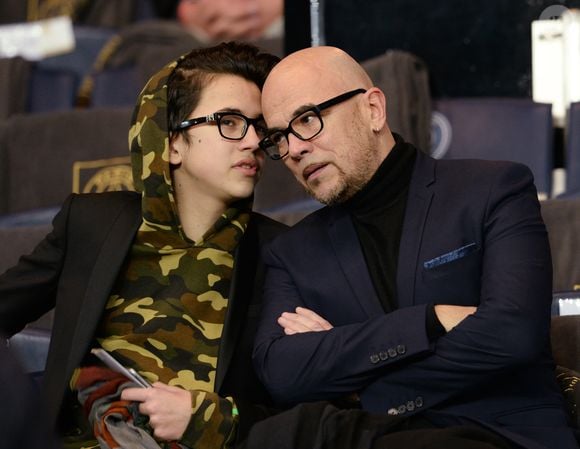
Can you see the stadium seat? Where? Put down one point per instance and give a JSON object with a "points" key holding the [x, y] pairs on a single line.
{"points": [[514, 129]]}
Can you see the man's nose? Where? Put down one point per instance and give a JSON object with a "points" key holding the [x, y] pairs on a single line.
{"points": [[297, 148]]}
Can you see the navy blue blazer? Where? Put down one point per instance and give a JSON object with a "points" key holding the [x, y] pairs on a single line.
{"points": [[473, 236]]}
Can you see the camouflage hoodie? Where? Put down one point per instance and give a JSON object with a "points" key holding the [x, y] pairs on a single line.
{"points": [[166, 313]]}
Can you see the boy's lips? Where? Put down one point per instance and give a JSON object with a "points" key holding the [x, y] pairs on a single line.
{"points": [[248, 165]]}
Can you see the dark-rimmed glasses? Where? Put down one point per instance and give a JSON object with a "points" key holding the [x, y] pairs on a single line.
{"points": [[306, 125], [231, 125]]}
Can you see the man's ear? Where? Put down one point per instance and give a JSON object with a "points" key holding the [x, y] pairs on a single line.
{"points": [[378, 107]]}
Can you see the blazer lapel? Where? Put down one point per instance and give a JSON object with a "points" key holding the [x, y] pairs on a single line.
{"points": [[241, 292], [351, 259], [104, 274], [418, 203], [70, 346]]}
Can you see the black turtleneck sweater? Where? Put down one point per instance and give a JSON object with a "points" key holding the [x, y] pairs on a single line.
{"points": [[378, 210]]}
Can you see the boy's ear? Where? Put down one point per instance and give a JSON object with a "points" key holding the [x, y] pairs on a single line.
{"points": [[175, 157]]}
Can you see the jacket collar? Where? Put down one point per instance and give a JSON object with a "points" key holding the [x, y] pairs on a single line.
{"points": [[349, 252]]}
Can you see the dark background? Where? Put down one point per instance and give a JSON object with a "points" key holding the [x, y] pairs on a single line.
{"points": [[471, 47]]}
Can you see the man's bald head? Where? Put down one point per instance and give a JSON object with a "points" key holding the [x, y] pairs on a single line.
{"points": [[329, 121], [330, 65], [311, 75]]}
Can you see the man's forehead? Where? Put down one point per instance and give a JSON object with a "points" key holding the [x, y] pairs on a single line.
{"points": [[280, 111], [281, 102]]}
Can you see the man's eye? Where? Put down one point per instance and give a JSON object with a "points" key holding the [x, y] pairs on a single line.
{"points": [[277, 138], [307, 118]]}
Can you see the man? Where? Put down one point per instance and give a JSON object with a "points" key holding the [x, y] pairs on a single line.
{"points": [[422, 292]]}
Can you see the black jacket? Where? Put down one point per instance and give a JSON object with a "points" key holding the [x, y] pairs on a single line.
{"points": [[74, 268]]}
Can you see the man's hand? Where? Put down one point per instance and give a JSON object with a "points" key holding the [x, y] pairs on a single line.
{"points": [[451, 316], [168, 408], [303, 320]]}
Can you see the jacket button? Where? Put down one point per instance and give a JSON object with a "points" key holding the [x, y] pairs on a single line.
{"points": [[410, 406], [401, 349], [374, 358], [392, 412], [392, 352], [401, 409], [419, 401], [383, 355]]}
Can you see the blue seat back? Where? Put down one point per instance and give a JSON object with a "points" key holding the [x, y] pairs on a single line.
{"points": [[51, 90], [116, 87], [514, 129]]}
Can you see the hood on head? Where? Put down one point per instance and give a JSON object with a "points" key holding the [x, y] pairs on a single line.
{"points": [[149, 146]]}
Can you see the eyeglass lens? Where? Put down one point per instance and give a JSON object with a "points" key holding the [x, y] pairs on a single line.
{"points": [[235, 126], [232, 126], [304, 126]]}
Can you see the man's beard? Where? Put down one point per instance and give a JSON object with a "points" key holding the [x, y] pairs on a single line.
{"points": [[344, 190], [348, 184]]}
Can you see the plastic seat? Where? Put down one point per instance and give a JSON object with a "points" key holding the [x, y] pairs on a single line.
{"points": [[116, 87], [514, 129], [47, 156], [51, 90], [15, 78], [404, 78], [55, 81], [88, 43]]}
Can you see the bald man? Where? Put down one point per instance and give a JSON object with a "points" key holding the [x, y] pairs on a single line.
{"points": [[422, 291]]}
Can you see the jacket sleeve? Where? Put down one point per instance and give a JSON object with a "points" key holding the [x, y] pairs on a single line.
{"points": [[391, 353], [323, 365], [28, 290]]}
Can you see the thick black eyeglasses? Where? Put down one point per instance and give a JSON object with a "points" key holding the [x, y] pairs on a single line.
{"points": [[305, 126], [231, 125]]}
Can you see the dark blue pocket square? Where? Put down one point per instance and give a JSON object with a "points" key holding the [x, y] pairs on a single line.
{"points": [[450, 256]]}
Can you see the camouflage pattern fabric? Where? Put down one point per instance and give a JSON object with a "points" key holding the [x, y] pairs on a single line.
{"points": [[166, 313]]}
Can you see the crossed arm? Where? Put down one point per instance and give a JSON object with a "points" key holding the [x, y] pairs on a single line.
{"points": [[303, 356], [305, 320]]}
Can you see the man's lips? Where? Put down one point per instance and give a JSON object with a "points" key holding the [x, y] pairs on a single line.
{"points": [[312, 169]]}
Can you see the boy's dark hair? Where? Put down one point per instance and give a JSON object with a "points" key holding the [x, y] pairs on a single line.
{"points": [[197, 68]]}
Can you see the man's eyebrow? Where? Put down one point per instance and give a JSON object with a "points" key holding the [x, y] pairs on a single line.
{"points": [[302, 109], [296, 113]]}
